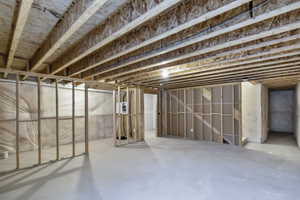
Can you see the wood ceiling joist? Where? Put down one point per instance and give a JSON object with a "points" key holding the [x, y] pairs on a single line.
{"points": [[113, 75], [93, 60], [252, 21], [77, 15], [230, 63], [254, 77], [91, 42], [21, 18], [223, 73], [192, 67]]}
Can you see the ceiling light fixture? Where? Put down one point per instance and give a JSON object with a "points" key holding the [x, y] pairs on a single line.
{"points": [[165, 73]]}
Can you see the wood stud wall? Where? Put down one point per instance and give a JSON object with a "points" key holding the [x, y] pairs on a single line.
{"points": [[39, 127], [128, 128], [202, 113]]}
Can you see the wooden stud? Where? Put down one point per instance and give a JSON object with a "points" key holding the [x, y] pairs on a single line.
{"points": [[233, 116], [17, 122], [114, 119], [39, 122], [193, 114], [221, 131], [128, 116], [57, 119], [136, 115], [211, 114], [73, 119], [86, 119], [184, 111]]}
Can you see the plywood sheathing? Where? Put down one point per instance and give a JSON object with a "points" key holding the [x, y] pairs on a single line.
{"points": [[212, 113], [266, 25]]}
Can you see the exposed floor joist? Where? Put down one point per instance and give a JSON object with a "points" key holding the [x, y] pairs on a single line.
{"points": [[190, 68], [242, 70], [77, 15], [92, 41], [93, 60], [221, 46], [21, 18], [259, 57], [104, 70]]}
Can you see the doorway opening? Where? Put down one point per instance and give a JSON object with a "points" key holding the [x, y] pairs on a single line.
{"points": [[282, 106], [150, 115]]}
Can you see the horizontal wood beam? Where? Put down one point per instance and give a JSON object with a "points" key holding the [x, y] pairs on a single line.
{"points": [[192, 67], [224, 45], [239, 77], [95, 60], [104, 86], [260, 60], [21, 18], [236, 80], [108, 31], [104, 70], [270, 66], [77, 15]]}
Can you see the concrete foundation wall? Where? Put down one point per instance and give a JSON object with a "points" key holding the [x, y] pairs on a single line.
{"points": [[282, 106], [297, 121], [150, 115], [251, 112]]}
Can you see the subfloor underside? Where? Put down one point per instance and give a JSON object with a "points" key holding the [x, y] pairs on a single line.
{"points": [[161, 168]]}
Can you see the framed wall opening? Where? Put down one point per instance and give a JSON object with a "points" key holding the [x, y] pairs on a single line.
{"points": [[282, 116]]}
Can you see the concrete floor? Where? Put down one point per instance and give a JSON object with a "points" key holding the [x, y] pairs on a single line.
{"points": [[163, 168]]}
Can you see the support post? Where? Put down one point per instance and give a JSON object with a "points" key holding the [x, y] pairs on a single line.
{"points": [[119, 115], [114, 119], [73, 119], [57, 119], [233, 116], [184, 112], [17, 123], [39, 122], [128, 114], [221, 134], [211, 115], [86, 116], [136, 115]]}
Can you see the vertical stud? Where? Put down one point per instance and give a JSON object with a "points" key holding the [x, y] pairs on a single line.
{"points": [[221, 134], [184, 112], [73, 118], [86, 118], [128, 113], [114, 118], [17, 122], [39, 122], [57, 119], [119, 115], [211, 115]]}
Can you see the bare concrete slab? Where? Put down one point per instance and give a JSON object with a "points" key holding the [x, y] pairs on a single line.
{"points": [[160, 168]]}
